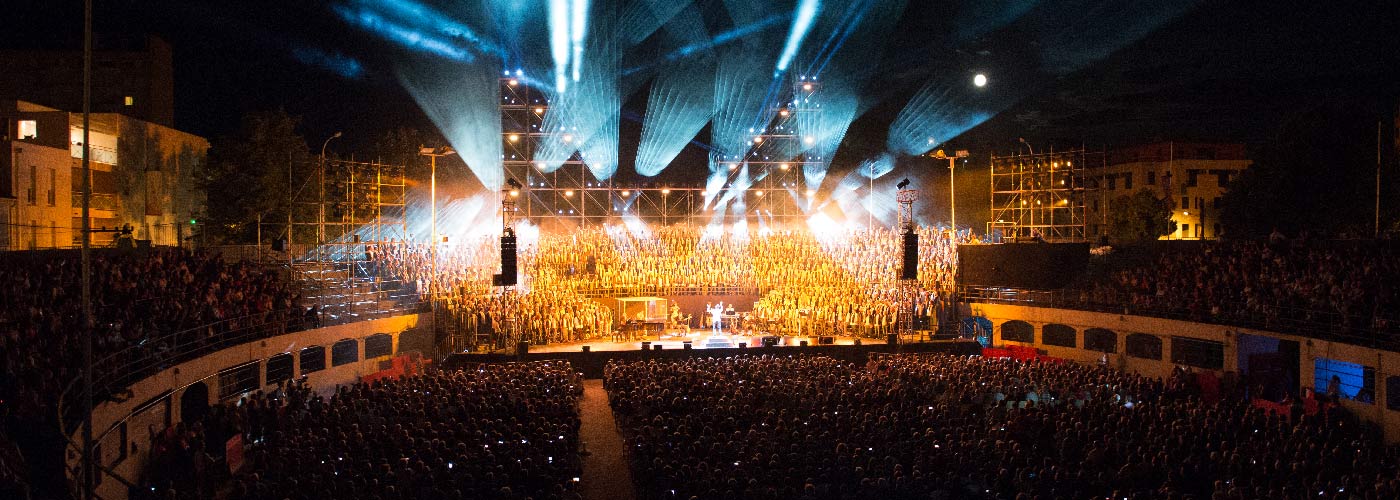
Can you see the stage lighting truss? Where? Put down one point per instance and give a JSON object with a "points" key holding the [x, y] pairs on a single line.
{"points": [[564, 188]]}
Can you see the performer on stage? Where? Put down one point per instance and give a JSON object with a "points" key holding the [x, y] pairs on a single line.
{"points": [[716, 317]]}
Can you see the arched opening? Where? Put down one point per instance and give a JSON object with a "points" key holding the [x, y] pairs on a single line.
{"points": [[1145, 346], [1017, 331], [1101, 340], [1058, 335], [194, 402]]}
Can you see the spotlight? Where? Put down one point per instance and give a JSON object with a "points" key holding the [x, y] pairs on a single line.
{"points": [[569, 193], [783, 166], [903, 184], [809, 139], [514, 82], [807, 87], [539, 110], [758, 139], [539, 165], [784, 112], [811, 193], [733, 166], [626, 193], [758, 193], [514, 137], [666, 191], [568, 138]]}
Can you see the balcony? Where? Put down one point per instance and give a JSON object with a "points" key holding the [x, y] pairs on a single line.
{"points": [[99, 154]]}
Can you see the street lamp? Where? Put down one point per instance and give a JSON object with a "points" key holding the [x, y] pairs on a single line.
{"points": [[952, 192], [321, 210], [434, 153]]}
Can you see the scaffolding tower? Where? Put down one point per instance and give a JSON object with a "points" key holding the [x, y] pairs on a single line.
{"points": [[1041, 196]]}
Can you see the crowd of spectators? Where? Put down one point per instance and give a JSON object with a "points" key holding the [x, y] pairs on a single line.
{"points": [[139, 299], [1270, 283], [837, 282], [943, 426], [504, 431]]}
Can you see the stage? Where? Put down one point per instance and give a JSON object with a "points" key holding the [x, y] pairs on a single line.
{"points": [[698, 339]]}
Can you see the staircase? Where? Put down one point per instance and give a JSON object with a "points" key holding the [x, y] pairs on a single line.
{"points": [[351, 291]]}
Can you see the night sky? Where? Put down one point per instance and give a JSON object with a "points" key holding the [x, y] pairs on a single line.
{"points": [[1222, 71]]}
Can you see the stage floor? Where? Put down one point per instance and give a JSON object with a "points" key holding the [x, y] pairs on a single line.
{"points": [[699, 339]]}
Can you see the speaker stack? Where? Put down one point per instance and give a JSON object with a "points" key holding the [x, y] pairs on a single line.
{"points": [[508, 274], [910, 270]]}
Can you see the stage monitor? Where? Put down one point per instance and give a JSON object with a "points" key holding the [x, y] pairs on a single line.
{"points": [[1035, 266]]}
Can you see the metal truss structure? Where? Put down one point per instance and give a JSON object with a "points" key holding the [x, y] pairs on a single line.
{"points": [[767, 181], [1041, 195]]}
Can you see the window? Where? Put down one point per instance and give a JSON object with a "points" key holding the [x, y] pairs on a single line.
{"points": [[1199, 353], [381, 344], [1144, 346], [53, 182], [1392, 392], [1112, 183], [279, 368], [31, 195], [1128, 180], [1152, 177], [28, 129], [1223, 179], [345, 352], [1215, 230], [1186, 202], [1096, 205], [1349, 380], [1201, 203], [1057, 335], [129, 100], [1017, 331], [313, 359], [1101, 340], [1192, 177], [1185, 230], [236, 381], [1215, 203]]}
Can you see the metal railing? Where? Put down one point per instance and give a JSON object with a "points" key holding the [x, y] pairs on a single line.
{"points": [[124, 367], [1326, 325]]}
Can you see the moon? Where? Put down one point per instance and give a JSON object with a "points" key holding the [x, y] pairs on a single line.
{"points": [[980, 80]]}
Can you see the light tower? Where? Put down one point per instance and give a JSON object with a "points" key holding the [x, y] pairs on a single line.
{"points": [[909, 272]]}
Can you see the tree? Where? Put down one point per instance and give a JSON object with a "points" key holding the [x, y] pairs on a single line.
{"points": [[1318, 175], [400, 147], [248, 176], [1139, 217]]}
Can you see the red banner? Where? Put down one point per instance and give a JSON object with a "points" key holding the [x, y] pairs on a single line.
{"points": [[233, 453]]}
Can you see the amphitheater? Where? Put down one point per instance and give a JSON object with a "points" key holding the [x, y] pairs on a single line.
{"points": [[669, 363]]}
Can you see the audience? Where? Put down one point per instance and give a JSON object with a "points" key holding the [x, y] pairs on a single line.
{"points": [[507, 431], [138, 298], [841, 282], [1272, 285], [940, 426]]}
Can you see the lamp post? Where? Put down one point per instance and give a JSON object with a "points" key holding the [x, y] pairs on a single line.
{"points": [[321, 209], [434, 153], [952, 191], [321, 221]]}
